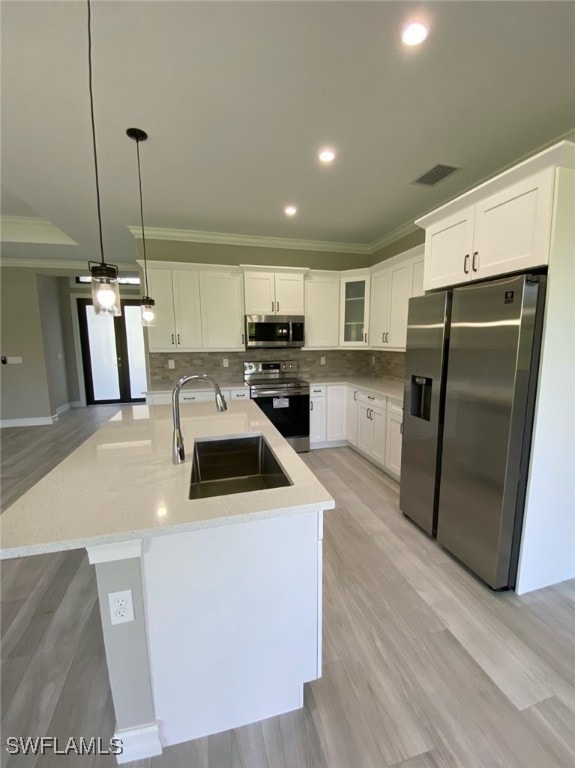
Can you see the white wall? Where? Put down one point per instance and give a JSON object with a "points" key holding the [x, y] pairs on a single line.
{"points": [[53, 336]]}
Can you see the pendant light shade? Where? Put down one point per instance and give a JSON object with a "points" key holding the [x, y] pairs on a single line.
{"points": [[105, 288], [148, 304]]}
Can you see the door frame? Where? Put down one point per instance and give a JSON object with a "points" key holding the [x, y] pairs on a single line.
{"points": [[83, 361]]}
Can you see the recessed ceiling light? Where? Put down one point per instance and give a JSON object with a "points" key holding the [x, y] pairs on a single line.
{"points": [[414, 34], [290, 210], [327, 155]]}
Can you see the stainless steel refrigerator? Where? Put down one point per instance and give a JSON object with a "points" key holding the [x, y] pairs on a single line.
{"points": [[471, 376]]}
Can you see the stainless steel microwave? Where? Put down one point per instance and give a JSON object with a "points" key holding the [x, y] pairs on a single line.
{"points": [[274, 331]]}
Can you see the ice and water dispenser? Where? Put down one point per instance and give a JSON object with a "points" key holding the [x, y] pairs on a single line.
{"points": [[420, 402]]}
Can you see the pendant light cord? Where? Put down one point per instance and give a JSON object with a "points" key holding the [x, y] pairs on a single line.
{"points": [[142, 218], [94, 130]]}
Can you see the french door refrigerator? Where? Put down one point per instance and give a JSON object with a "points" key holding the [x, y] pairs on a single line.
{"points": [[471, 375]]}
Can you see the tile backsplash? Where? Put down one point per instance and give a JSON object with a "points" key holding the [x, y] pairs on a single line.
{"points": [[338, 362]]}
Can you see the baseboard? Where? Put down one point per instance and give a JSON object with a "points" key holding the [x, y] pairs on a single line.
{"points": [[329, 444], [139, 743], [77, 404], [40, 421], [63, 408]]}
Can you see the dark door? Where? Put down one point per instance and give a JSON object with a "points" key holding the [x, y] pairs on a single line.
{"points": [[113, 354]]}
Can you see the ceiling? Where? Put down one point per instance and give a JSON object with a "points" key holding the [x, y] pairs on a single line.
{"points": [[237, 99]]}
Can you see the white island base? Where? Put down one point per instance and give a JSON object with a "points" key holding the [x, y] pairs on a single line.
{"points": [[232, 628]]}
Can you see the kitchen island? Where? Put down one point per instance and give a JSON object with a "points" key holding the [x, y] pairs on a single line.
{"points": [[225, 591]]}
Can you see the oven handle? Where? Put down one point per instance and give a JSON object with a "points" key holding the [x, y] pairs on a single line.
{"points": [[278, 392]]}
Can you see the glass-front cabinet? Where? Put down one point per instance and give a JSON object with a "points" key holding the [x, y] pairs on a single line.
{"points": [[354, 306]]}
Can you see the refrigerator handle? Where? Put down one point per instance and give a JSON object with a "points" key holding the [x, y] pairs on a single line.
{"points": [[466, 264]]}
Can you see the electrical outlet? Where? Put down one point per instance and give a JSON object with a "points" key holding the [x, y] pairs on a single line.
{"points": [[226, 362], [121, 606], [322, 361], [171, 365]]}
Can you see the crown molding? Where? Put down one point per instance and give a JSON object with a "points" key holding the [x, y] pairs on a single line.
{"points": [[31, 229], [81, 267], [222, 238], [391, 237]]}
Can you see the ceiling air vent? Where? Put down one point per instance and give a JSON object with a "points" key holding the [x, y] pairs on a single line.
{"points": [[436, 174]]}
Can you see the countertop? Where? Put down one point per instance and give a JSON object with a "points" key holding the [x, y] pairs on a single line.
{"points": [[121, 484], [375, 384]]}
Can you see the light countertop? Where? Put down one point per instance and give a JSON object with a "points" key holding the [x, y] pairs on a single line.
{"points": [[375, 384], [121, 483]]}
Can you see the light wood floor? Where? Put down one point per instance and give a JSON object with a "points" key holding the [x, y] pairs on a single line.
{"points": [[424, 667]]}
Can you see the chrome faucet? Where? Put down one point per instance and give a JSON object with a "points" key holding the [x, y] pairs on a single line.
{"points": [[178, 453]]}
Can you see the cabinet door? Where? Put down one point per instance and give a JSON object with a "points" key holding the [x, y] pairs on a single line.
{"points": [[513, 227], [379, 308], [317, 430], [355, 311], [162, 336], [352, 416], [336, 412], [399, 292], [222, 310], [259, 291], [364, 427], [186, 289], [417, 277], [448, 250], [378, 420], [321, 311], [393, 439], [289, 293]]}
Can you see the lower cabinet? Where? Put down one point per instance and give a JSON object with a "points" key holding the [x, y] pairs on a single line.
{"points": [[370, 423], [317, 414]]}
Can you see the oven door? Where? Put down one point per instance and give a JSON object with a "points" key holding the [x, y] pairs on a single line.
{"points": [[288, 411]]}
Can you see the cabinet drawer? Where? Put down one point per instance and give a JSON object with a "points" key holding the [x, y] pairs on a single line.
{"points": [[317, 390], [372, 400]]}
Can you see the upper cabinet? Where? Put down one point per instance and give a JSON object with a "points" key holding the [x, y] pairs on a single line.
{"points": [[222, 309], [196, 309], [275, 292], [178, 319], [354, 309], [502, 226], [393, 283], [321, 293]]}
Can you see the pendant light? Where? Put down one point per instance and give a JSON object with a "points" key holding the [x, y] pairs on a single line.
{"points": [[148, 314], [105, 288]]}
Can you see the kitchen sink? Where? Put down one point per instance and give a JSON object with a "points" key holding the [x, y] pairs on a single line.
{"points": [[234, 465]]}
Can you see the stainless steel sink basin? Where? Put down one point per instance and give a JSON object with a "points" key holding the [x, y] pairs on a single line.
{"points": [[234, 465]]}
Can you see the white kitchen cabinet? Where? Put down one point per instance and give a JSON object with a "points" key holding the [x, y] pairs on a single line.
{"points": [[354, 306], [336, 416], [352, 415], [394, 437], [390, 293], [222, 310], [503, 232], [371, 427], [317, 415], [178, 318], [273, 293], [186, 396], [240, 393], [417, 266], [321, 292]]}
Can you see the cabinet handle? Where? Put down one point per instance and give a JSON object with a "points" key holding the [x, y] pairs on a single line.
{"points": [[172, 338], [383, 338], [387, 337], [272, 306], [355, 395], [317, 390], [473, 262], [178, 339], [370, 397], [277, 306], [243, 339], [466, 264], [311, 405], [365, 338]]}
